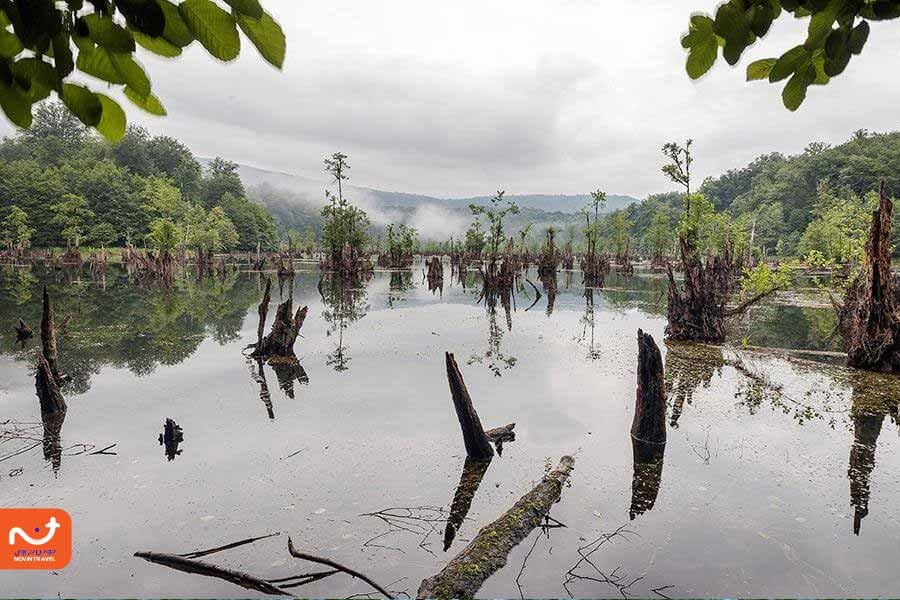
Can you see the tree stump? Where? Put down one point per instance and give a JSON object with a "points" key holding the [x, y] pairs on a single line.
{"points": [[649, 423], [170, 438], [869, 317], [478, 447], [279, 344]]}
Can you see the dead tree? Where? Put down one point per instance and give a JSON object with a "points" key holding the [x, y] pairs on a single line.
{"points": [[869, 316], [649, 423], [478, 447], [279, 344], [48, 338], [487, 553], [648, 430], [263, 311], [48, 393]]}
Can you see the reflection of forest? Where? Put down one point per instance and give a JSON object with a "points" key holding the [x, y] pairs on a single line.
{"points": [[123, 325]]}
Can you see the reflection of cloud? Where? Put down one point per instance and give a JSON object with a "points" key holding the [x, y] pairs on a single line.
{"points": [[437, 223]]}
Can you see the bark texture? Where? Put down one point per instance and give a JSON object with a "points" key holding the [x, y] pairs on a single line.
{"points": [[649, 423], [48, 337], [697, 312], [280, 341], [48, 393], [487, 553], [478, 447]]}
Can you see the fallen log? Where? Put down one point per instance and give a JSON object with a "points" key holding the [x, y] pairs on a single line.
{"points": [[478, 447], [487, 553], [190, 565]]}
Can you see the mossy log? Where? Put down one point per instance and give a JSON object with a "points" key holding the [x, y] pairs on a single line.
{"points": [[487, 553], [47, 388], [478, 447]]}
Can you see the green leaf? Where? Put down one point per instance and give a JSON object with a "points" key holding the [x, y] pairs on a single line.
{"points": [[157, 45], [149, 103], [213, 27], [858, 37], [794, 92], [176, 32], [250, 8], [820, 24], [83, 103], [105, 32], [62, 55], [112, 119], [15, 106], [132, 73], [97, 61], [10, 45], [702, 57], [788, 63], [266, 35], [35, 77], [760, 69]]}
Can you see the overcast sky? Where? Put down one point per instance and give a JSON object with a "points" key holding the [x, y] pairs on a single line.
{"points": [[467, 97]]}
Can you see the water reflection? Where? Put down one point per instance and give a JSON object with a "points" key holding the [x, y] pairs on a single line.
{"points": [[587, 323], [688, 366], [472, 475], [494, 357], [52, 438], [647, 475], [401, 283], [345, 303], [170, 438], [550, 289]]}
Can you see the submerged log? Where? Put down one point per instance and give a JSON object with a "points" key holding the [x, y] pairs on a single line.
{"points": [[48, 393], [649, 423], [48, 337], [478, 447], [869, 317], [487, 553]]}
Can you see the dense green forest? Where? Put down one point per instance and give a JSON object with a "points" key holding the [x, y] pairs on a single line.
{"points": [[75, 188]]}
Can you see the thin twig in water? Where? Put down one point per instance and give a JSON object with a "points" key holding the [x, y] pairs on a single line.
{"points": [[330, 563], [207, 552]]}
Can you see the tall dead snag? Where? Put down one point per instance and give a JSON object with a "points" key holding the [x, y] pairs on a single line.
{"points": [[263, 311], [869, 317], [648, 430], [478, 447], [486, 554], [649, 423], [48, 393], [279, 344], [48, 338]]}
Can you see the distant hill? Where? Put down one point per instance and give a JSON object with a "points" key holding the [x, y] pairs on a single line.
{"points": [[296, 203]]}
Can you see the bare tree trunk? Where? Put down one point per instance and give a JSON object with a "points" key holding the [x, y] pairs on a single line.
{"points": [[478, 447], [48, 337]]}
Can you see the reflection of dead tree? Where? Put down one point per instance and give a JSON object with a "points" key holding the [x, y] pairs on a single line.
{"points": [[170, 438], [689, 366], [421, 521], [258, 374], [435, 275], [648, 429], [472, 474], [48, 337], [550, 288], [287, 374], [487, 553]]}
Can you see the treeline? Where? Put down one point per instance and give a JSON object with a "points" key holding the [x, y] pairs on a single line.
{"points": [[816, 204], [60, 185]]}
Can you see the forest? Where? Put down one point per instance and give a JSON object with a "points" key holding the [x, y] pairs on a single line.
{"points": [[61, 185]]}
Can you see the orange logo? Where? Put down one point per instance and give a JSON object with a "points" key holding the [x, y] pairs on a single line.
{"points": [[35, 538]]}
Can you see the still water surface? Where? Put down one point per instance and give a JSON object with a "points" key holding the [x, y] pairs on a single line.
{"points": [[779, 477]]}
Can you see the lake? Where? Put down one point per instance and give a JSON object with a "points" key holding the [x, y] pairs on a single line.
{"points": [[777, 478]]}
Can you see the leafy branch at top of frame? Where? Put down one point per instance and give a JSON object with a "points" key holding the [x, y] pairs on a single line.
{"points": [[837, 30], [45, 44]]}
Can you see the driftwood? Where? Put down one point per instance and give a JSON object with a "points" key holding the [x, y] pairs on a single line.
{"points": [[48, 337], [48, 393], [869, 318], [478, 447], [190, 565], [487, 553]]}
